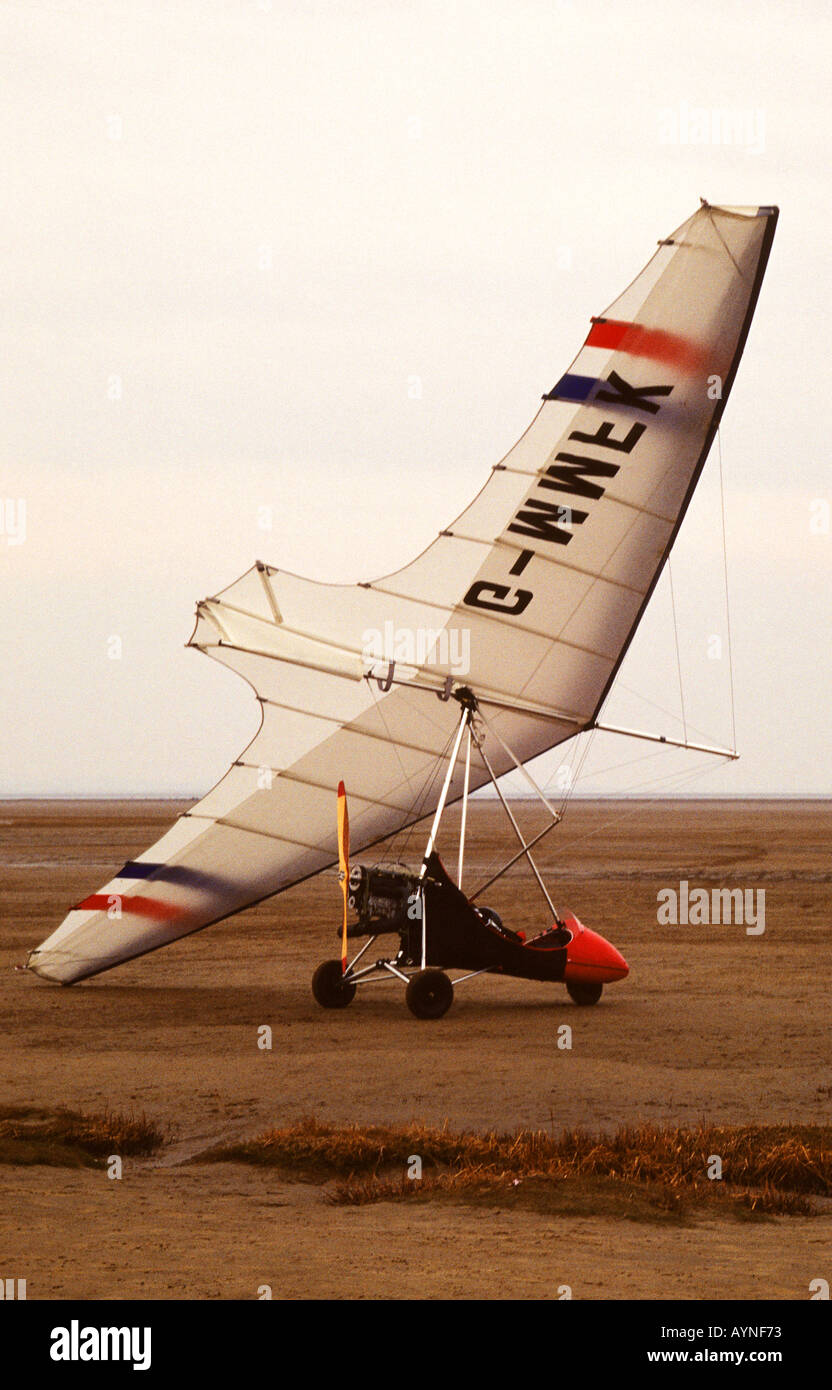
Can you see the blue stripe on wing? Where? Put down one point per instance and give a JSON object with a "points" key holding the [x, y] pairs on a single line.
{"points": [[174, 873]]}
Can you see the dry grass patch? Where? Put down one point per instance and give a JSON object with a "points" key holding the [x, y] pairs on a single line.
{"points": [[70, 1139], [644, 1171], [311, 1150], [613, 1197]]}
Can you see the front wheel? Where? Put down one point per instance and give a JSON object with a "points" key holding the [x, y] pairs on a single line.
{"points": [[330, 988], [584, 993], [429, 994]]}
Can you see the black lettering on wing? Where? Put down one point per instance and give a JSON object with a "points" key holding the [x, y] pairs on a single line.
{"points": [[635, 396], [541, 520]]}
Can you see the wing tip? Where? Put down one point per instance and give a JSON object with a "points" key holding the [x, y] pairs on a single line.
{"points": [[763, 210], [50, 967]]}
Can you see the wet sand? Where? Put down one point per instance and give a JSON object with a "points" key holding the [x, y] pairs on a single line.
{"points": [[712, 1023]]}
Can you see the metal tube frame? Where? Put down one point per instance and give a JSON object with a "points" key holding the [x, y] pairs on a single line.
{"points": [[524, 847], [380, 970], [464, 821], [513, 860], [464, 723], [356, 959]]}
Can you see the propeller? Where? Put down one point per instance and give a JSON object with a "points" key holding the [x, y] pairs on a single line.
{"points": [[344, 862]]}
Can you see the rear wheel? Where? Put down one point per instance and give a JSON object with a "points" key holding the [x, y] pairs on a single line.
{"points": [[429, 994], [582, 992], [330, 988]]}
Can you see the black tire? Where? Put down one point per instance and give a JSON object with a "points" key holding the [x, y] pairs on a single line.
{"points": [[491, 917], [329, 987], [583, 993], [429, 994]]}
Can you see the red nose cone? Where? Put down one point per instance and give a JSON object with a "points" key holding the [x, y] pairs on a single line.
{"points": [[591, 958]]}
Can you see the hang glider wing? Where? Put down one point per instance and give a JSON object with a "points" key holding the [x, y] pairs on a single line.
{"points": [[537, 588]]}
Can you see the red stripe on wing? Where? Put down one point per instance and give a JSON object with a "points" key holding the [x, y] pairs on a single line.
{"points": [[639, 341], [137, 906]]}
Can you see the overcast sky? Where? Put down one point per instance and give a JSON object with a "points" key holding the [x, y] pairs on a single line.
{"points": [[284, 280]]}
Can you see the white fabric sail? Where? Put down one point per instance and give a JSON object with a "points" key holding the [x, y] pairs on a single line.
{"points": [[541, 581]]}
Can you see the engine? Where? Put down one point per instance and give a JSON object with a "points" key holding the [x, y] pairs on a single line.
{"points": [[381, 898]]}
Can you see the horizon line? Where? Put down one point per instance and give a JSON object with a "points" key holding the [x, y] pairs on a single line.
{"points": [[520, 796]]}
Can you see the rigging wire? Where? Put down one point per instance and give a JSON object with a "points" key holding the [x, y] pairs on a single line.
{"points": [[400, 838], [692, 728], [615, 767], [678, 653], [575, 777], [727, 602], [728, 251], [621, 812], [698, 771], [568, 791], [380, 711]]}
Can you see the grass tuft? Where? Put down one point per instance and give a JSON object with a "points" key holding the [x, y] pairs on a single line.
{"points": [[70, 1139]]}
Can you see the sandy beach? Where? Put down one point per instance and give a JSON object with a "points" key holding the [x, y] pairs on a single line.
{"points": [[712, 1024]]}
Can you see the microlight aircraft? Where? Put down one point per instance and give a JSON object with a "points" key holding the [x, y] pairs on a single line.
{"points": [[549, 572]]}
